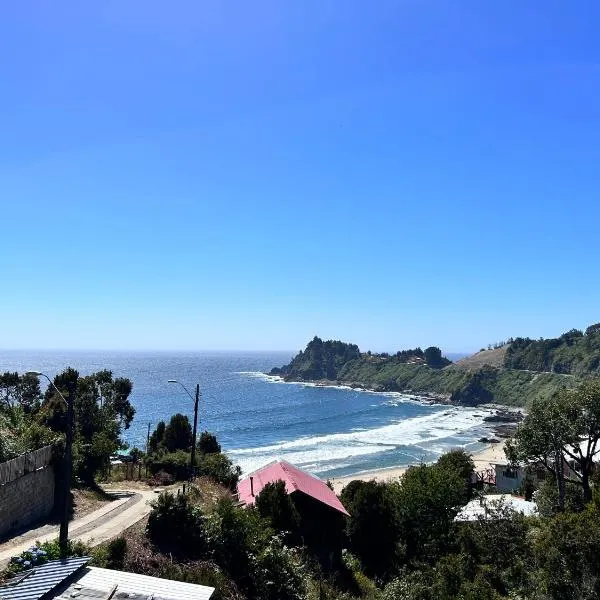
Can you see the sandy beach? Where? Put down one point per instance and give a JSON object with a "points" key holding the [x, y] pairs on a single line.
{"points": [[482, 459]]}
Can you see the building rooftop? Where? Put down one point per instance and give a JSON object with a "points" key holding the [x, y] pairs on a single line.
{"points": [[295, 479], [486, 506], [72, 578]]}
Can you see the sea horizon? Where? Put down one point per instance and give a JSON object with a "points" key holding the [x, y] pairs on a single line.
{"points": [[332, 431]]}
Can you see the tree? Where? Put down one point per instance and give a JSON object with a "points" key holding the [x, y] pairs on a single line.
{"points": [[593, 329], [208, 444], [566, 426], [433, 357], [274, 503], [19, 390], [178, 433], [541, 438], [157, 437], [459, 463], [429, 498], [373, 528], [101, 409]]}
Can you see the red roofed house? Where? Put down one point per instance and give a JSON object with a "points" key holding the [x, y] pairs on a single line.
{"points": [[321, 512]]}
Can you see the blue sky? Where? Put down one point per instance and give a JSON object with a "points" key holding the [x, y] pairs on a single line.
{"points": [[246, 175]]}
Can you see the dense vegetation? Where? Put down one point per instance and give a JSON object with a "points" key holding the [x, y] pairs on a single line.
{"points": [[30, 420], [169, 452], [532, 369], [402, 542], [574, 353]]}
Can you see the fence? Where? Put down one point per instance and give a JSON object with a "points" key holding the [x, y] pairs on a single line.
{"points": [[25, 463]]}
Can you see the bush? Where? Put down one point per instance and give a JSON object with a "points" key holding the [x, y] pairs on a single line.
{"points": [[219, 468], [177, 464], [208, 444], [274, 503], [116, 552], [175, 526]]}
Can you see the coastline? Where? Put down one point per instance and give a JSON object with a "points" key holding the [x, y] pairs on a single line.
{"points": [[483, 460]]}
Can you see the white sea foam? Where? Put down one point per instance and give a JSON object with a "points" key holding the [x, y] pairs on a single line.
{"points": [[415, 436]]}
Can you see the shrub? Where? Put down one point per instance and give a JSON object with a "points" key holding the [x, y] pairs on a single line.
{"points": [[274, 504], [219, 468], [175, 526], [208, 444], [177, 464], [116, 552]]}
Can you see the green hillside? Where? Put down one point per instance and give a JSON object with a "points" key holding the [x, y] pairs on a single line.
{"points": [[574, 353], [531, 369]]}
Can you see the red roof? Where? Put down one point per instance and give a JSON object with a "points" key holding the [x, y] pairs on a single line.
{"points": [[295, 480]]}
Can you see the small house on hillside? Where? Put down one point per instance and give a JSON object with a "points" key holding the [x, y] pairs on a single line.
{"points": [[321, 513], [306, 490]]}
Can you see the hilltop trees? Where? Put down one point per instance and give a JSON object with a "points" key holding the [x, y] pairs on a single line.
{"points": [[434, 358]]}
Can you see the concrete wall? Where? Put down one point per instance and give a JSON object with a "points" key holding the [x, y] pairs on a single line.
{"points": [[26, 500]]}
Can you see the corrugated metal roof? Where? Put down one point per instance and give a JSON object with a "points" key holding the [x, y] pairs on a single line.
{"points": [[295, 480], [41, 580], [59, 580], [97, 583]]}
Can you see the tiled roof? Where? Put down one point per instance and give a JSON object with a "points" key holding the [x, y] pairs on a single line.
{"points": [[296, 480]]}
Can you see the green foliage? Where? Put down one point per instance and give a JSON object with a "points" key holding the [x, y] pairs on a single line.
{"points": [[573, 353], [459, 463], [178, 433], [19, 390], [101, 409], [566, 551], [219, 468], [116, 552], [320, 360], [429, 497], [433, 357], [373, 528], [407, 371], [176, 464], [547, 502], [274, 504], [562, 428], [208, 444], [157, 437], [175, 526]]}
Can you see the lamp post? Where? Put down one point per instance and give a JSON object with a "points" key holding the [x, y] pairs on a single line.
{"points": [[196, 399], [63, 536]]}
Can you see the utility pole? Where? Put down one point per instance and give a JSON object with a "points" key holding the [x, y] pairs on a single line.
{"points": [[194, 431], [148, 438], [63, 537]]}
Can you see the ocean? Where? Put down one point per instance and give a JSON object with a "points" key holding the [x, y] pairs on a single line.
{"points": [[329, 431]]}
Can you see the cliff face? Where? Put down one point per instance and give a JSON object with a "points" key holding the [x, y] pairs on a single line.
{"points": [[474, 383]]}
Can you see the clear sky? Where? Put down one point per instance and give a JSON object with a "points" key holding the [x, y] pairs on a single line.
{"points": [[245, 175]]}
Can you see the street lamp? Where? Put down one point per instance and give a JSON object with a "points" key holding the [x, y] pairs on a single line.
{"points": [[193, 456], [63, 536]]}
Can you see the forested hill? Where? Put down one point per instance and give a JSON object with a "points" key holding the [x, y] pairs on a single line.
{"points": [[574, 353], [333, 360], [519, 371]]}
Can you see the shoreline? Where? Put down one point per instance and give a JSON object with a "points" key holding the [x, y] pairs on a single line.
{"points": [[482, 459]]}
